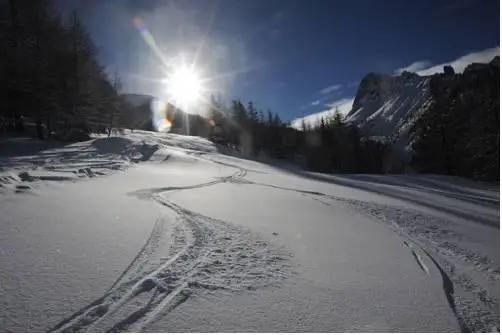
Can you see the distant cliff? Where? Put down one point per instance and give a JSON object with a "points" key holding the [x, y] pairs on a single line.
{"points": [[385, 106]]}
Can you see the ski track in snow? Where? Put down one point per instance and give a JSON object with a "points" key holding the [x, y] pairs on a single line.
{"points": [[475, 309], [203, 255], [198, 254], [209, 254]]}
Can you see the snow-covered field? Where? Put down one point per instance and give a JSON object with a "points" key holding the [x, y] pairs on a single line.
{"points": [[160, 232]]}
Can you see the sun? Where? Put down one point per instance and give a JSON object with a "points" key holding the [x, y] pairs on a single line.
{"points": [[184, 86]]}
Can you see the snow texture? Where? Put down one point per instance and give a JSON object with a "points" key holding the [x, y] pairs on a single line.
{"points": [[187, 239], [26, 161]]}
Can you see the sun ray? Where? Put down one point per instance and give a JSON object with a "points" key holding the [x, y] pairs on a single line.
{"points": [[150, 41], [143, 78], [242, 70], [208, 30]]}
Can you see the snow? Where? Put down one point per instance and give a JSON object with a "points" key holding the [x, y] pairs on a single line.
{"points": [[342, 106], [33, 160], [170, 235]]}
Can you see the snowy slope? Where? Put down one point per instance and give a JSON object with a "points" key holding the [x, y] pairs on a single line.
{"points": [[28, 162], [186, 239], [343, 106]]}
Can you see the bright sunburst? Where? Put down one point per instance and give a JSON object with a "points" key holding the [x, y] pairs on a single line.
{"points": [[184, 86]]}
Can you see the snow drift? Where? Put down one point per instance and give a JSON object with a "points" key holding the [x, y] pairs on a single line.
{"points": [[26, 162]]}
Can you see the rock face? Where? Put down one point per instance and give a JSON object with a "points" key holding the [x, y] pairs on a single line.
{"points": [[385, 106]]}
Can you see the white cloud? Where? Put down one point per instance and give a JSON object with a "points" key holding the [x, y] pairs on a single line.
{"points": [[424, 68], [414, 67], [321, 100], [461, 63], [343, 106], [330, 89]]}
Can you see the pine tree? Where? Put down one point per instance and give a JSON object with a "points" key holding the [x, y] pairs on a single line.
{"points": [[51, 71]]}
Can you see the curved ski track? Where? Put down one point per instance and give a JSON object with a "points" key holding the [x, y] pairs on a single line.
{"points": [[198, 255], [207, 254]]}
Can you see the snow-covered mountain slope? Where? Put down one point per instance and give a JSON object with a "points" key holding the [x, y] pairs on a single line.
{"points": [[386, 106], [187, 239], [343, 106]]}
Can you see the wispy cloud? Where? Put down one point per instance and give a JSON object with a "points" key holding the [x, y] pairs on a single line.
{"points": [[353, 84], [322, 99], [461, 63], [414, 67], [424, 68], [330, 89]]}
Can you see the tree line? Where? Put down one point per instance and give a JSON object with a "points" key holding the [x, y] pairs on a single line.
{"points": [[331, 145], [456, 134], [459, 133], [50, 75]]}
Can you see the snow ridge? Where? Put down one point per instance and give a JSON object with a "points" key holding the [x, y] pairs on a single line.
{"points": [[24, 168]]}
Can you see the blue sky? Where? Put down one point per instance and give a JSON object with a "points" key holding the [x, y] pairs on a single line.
{"points": [[296, 57]]}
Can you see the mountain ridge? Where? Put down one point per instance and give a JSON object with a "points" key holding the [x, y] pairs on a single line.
{"points": [[386, 106]]}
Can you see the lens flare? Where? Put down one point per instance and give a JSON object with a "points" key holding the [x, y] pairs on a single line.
{"points": [[160, 120], [148, 38]]}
